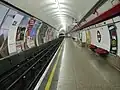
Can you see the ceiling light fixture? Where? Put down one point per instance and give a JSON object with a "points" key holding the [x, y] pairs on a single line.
{"points": [[62, 19]]}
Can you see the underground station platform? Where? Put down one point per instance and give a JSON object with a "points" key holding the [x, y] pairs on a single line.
{"points": [[62, 65], [77, 68]]}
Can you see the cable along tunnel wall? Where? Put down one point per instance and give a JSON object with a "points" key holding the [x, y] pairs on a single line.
{"points": [[25, 74]]}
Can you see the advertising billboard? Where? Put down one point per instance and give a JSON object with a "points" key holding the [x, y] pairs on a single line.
{"points": [[118, 39], [3, 12], [6, 17], [88, 37], [113, 38], [28, 39], [21, 33], [12, 33], [37, 34], [33, 32]]}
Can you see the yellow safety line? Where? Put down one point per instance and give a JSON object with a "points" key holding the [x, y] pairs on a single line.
{"points": [[47, 87]]}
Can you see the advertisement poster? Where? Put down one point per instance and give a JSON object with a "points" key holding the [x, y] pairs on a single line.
{"points": [[28, 39], [4, 28], [21, 33], [33, 33], [80, 36], [49, 34], [37, 34], [88, 37], [35, 28], [12, 33], [46, 37], [113, 38], [41, 33], [3, 12], [55, 32], [118, 36], [83, 36]]}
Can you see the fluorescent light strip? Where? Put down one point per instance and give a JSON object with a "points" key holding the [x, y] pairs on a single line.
{"points": [[58, 5], [62, 19]]}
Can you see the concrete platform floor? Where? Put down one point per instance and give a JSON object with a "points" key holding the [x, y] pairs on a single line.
{"points": [[80, 70]]}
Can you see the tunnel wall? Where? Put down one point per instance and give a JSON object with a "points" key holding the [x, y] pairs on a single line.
{"points": [[20, 31], [107, 39], [100, 37], [106, 6], [83, 36], [105, 33]]}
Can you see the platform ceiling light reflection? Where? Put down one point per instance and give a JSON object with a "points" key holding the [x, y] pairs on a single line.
{"points": [[49, 10], [61, 17]]}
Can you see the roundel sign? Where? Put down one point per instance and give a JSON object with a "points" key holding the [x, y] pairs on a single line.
{"points": [[99, 36]]}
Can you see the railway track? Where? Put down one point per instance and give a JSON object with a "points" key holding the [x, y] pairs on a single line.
{"points": [[25, 75]]}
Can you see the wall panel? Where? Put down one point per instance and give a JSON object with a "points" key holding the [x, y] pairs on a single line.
{"points": [[20, 30], [100, 37], [3, 12], [118, 32], [12, 33], [83, 36]]}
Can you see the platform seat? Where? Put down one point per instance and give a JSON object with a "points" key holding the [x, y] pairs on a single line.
{"points": [[92, 47], [101, 52]]}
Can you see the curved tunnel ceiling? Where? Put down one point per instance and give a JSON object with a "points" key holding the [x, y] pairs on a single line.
{"points": [[55, 12]]}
